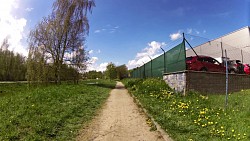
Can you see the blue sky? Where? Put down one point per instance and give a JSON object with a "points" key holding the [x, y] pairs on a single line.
{"points": [[127, 31]]}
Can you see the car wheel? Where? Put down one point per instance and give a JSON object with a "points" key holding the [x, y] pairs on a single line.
{"points": [[232, 72]]}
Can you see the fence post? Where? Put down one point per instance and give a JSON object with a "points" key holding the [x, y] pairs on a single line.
{"points": [[221, 49], [144, 75], [241, 57], [164, 59], [226, 99], [151, 73]]}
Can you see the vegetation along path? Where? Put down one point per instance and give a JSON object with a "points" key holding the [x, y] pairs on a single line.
{"points": [[119, 120]]}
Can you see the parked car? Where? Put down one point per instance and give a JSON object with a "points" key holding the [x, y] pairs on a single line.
{"points": [[247, 69], [204, 63], [235, 66]]}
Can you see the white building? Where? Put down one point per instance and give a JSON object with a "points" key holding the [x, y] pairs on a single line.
{"points": [[236, 43]]}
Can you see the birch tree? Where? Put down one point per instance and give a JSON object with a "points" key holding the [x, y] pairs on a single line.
{"points": [[64, 30]]}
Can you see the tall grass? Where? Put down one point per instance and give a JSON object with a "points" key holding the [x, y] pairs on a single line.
{"points": [[49, 113], [195, 116]]}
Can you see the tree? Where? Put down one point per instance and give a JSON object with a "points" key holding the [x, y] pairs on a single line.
{"points": [[37, 68], [122, 71], [12, 65], [111, 72], [94, 74], [64, 30], [79, 56]]}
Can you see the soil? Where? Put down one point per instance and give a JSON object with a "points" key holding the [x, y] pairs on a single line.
{"points": [[119, 120]]}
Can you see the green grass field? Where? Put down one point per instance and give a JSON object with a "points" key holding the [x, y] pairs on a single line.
{"points": [[49, 113], [194, 117]]}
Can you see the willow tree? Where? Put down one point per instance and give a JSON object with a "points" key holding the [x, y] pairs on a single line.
{"points": [[64, 30]]}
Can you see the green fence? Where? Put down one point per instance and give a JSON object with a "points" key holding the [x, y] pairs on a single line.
{"points": [[171, 61]]}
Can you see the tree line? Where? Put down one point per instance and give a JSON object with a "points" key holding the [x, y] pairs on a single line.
{"points": [[13, 66], [56, 48], [112, 72], [16, 67]]}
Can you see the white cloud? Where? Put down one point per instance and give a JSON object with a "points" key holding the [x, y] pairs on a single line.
{"points": [[197, 32], [12, 27], [152, 50], [97, 31], [98, 51], [92, 65], [102, 67], [91, 51], [189, 30], [93, 60], [107, 29], [175, 36], [29, 9]]}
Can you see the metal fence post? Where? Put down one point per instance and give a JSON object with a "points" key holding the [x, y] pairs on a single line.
{"points": [[226, 99], [164, 59], [151, 73]]}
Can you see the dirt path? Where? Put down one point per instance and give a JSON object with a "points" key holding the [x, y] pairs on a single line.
{"points": [[119, 120]]}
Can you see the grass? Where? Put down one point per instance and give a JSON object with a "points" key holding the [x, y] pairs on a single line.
{"points": [[49, 113], [194, 117]]}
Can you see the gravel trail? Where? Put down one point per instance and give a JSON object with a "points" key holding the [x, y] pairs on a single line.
{"points": [[119, 120]]}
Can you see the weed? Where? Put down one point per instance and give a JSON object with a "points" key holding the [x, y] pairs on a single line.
{"points": [[195, 116], [49, 113]]}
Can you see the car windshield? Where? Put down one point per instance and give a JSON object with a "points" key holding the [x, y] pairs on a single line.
{"points": [[189, 58], [238, 61]]}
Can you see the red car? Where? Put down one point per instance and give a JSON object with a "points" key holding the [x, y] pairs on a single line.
{"points": [[247, 69], [204, 63]]}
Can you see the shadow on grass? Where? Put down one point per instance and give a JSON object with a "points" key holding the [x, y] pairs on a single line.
{"points": [[103, 85]]}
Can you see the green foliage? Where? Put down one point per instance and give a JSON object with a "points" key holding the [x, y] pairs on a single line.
{"points": [[12, 66], [56, 112], [122, 71], [37, 68], [111, 72], [62, 32], [195, 116], [93, 74]]}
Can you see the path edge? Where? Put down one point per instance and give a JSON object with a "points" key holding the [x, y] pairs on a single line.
{"points": [[165, 136]]}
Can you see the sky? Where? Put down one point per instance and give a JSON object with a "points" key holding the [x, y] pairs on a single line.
{"points": [[130, 32]]}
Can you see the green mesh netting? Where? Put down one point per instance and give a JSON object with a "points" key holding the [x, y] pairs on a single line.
{"points": [[174, 61]]}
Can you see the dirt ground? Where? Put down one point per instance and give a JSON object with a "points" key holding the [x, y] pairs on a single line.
{"points": [[119, 120]]}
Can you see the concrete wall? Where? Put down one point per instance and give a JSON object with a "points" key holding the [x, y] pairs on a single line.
{"points": [[176, 81], [206, 82]]}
